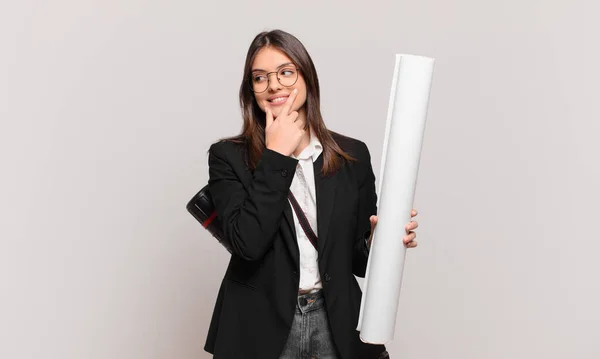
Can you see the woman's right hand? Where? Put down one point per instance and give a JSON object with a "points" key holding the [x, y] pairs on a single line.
{"points": [[284, 135]]}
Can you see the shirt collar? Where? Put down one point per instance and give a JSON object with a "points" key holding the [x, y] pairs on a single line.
{"points": [[313, 150]]}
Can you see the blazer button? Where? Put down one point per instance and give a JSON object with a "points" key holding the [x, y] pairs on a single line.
{"points": [[284, 173], [327, 277]]}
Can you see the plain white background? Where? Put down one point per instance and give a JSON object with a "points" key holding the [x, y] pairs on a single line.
{"points": [[107, 110]]}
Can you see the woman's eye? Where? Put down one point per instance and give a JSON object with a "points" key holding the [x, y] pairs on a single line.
{"points": [[259, 78], [287, 72]]}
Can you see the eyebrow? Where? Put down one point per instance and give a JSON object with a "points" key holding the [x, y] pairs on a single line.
{"points": [[278, 67]]}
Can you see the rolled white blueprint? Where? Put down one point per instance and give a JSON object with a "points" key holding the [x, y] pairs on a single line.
{"points": [[405, 127]]}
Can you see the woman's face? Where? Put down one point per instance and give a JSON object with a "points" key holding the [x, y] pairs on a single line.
{"points": [[275, 63]]}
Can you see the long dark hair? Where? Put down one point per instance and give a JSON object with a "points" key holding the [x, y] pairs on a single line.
{"points": [[253, 132]]}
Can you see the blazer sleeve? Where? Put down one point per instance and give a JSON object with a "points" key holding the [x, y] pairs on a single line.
{"points": [[367, 206], [250, 219]]}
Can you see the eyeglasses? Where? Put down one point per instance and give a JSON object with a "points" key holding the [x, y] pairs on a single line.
{"points": [[286, 76]]}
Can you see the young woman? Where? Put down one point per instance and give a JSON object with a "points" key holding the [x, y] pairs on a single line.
{"points": [[297, 204]]}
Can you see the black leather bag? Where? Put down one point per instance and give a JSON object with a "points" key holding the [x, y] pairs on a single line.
{"points": [[203, 209]]}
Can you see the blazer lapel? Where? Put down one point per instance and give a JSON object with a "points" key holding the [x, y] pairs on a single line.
{"points": [[290, 238], [325, 191]]}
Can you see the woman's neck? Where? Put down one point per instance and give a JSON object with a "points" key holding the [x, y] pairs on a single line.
{"points": [[306, 137]]}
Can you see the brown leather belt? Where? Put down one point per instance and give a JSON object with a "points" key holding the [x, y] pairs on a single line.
{"points": [[304, 291], [308, 291]]}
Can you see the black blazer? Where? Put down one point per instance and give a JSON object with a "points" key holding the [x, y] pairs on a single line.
{"points": [[256, 301]]}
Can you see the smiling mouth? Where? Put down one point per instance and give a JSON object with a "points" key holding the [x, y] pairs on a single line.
{"points": [[278, 100]]}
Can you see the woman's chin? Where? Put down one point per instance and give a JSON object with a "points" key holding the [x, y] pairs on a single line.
{"points": [[275, 111]]}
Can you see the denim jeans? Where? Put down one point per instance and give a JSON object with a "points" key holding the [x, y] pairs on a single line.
{"points": [[310, 336]]}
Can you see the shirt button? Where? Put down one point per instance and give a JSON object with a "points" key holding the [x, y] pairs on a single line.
{"points": [[284, 173]]}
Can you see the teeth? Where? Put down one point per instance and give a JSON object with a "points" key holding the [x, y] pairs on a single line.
{"points": [[278, 99]]}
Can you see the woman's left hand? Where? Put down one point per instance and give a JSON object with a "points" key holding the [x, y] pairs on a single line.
{"points": [[408, 239]]}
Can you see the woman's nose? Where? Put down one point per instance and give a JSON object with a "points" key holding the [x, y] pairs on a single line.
{"points": [[274, 84]]}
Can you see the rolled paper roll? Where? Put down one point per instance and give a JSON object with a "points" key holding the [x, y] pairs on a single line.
{"points": [[405, 127]]}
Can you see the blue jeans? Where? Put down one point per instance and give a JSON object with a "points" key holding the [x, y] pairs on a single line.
{"points": [[310, 336]]}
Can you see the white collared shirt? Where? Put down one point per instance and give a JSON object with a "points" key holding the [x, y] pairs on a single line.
{"points": [[303, 188]]}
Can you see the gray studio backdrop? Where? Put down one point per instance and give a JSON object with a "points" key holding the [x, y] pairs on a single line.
{"points": [[108, 109]]}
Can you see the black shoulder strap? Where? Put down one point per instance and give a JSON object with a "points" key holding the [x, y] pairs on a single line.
{"points": [[303, 220]]}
